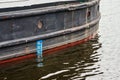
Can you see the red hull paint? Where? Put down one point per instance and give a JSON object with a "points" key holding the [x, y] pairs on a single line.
{"points": [[49, 51]]}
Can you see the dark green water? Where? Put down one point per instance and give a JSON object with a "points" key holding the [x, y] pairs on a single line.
{"points": [[97, 59]]}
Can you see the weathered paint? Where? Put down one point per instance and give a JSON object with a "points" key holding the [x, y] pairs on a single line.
{"points": [[49, 51]]}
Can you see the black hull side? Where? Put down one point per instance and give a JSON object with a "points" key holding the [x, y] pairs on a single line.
{"points": [[56, 26]]}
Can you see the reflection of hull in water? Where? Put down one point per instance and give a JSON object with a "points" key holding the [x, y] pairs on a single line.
{"points": [[78, 59], [56, 25]]}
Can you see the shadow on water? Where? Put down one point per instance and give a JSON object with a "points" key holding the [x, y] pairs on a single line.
{"points": [[75, 63]]}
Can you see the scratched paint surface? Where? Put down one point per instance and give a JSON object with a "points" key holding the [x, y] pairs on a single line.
{"points": [[97, 59]]}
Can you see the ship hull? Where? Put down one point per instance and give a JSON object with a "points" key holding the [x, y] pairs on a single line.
{"points": [[58, 26]]}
